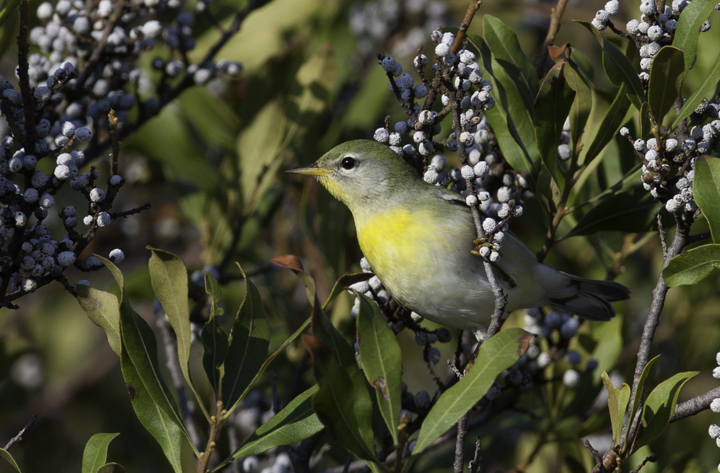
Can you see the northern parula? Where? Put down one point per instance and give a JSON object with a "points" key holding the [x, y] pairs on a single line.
{"points": [[418, 239]]}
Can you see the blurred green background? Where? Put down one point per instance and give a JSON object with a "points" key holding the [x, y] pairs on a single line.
{"points": [[215, 158]]}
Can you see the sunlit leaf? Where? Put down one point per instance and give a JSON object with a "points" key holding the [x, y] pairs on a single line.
{"points": [[707, 88], [95, 454], [611, 123], [496, 354], [688, 28], [103, 310], [692, 266], [5, 455]]}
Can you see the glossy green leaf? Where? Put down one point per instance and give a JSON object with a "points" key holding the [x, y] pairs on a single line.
{"points": [[504, 44], [381, 361], [688, 28], [626, 207], [611, 123], [552, 107], [111, 468], [496, 354], [582, 105], [660, 406], [5, 455], [153, 404], [692, 266], [102, 309], [214, 338], [95, 454], [295, 422], [645, 123], [168, 276], [666, 76], [248, 347], [334, 402], [641, 385], [510, 118], [706, 89], [618, 68], [706, 190]]}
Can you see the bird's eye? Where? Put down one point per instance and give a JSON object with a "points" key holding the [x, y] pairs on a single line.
{"points": [[348, 163]]}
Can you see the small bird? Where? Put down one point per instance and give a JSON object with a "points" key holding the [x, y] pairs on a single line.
{"points": [[418, 238]]}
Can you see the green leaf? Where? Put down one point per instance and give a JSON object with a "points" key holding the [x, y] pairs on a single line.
{"points": [[617, 404], [10, 7], [706, 89], [496, 354], [625, 207], [343, 283], [660, 406], [169, 280], [706, 190], [510, 118], [666, 76], [618, 67], [95, 454], [249, 341], [645, 124], [5, 455], [381, 361], [214, 338], [611, 123], [102, 309], [153, 404], [580, 111], [688, 28], [335, 401], [692, 266], [641, 385], [549, 193], [552, 107], [111, 468], [295, 422], [504, 44]]}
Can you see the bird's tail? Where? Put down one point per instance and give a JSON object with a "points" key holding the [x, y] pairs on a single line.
{"points": [[592, 301]]}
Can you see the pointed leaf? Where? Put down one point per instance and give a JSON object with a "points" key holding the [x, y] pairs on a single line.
{"points": [[111, 468], [214, 338], [168, 276], [343, 283], [610, 125], [249, 341], [706, 89], [381, 361], [641, 385], [613, 407], [552, 107], [706, 190], [660, 406], [510, 119], [505, 47], [295, 422], [496, 354], [102, 309], [153, 404], [666, 75], [95, 454], [5, 455], [688, 28], [618, 67], [582, 105], [334, 402], [692, 266]]}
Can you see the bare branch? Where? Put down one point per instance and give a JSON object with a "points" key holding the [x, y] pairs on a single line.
{"points": [[18, 437], [695, 405]]}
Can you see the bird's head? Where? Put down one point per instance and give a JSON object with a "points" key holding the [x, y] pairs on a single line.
{"points": [[360, 172]]}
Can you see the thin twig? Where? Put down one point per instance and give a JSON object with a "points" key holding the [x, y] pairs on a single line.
{"points": [[555, 17], [695, 405], [598, 460], [475, 462], [651, 459], [462, 31], [18, 437], [459, 464]]}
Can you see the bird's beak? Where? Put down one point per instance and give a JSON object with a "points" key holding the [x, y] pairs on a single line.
{"points": [[311, 170]]}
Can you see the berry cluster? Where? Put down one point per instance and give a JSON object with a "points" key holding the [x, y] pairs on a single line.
{"points": [[484, 178]]}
